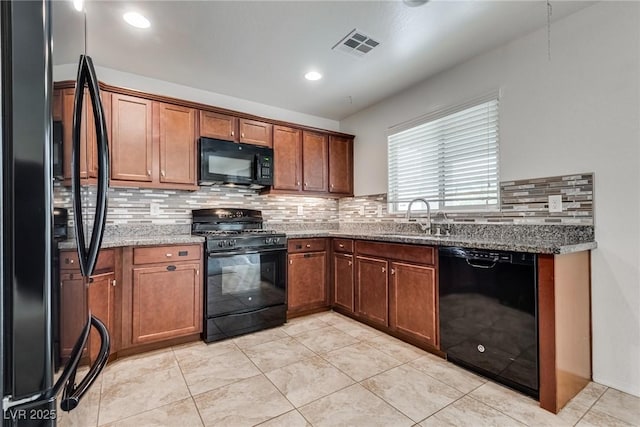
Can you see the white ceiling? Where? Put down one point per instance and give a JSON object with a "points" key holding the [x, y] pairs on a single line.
{"points": [[260, 50]]}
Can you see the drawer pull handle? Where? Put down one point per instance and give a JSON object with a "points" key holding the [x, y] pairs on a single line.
{"points": [[308, 246], [341, 246], [171, 268], [169, 255]]}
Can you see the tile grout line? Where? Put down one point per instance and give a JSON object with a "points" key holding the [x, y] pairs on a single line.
{"points": [[187, 384], [594, 404]]}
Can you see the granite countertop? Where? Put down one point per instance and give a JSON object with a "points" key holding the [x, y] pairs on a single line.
{"points": [[560, 245], [549, 240], [133, 240]]}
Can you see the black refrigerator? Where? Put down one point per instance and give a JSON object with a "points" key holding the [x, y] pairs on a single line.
{"points": [[30, 397]]}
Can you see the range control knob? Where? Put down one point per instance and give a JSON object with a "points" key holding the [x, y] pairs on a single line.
{"points": [[230, 243], [276, 240], [268, 240], [221, 243]]}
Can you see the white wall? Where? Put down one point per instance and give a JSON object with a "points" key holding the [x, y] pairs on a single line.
{"points": [[160, 87], [580, 112]]}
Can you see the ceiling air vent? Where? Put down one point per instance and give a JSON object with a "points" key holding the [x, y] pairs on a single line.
{"points": [[356, 43]]}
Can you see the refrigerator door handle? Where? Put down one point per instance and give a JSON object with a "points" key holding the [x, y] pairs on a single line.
{"points": [[88, 256], [73, 393]]}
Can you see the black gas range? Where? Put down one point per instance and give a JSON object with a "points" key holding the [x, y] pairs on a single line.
{"points": [[245, 287]]}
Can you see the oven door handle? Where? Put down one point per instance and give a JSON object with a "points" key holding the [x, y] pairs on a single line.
{"points": [[234, 253]]}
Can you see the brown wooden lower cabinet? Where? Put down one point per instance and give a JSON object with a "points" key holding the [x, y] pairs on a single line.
{"points": [[101, 296], [413, 301], [166, 302], [307, 266], [372, 288], [343, 291], [73, 310], [78, 298]]}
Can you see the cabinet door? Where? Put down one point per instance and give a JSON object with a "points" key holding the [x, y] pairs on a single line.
{"points": [[287, 158], [340, 165], [314, 161], [372, 289], [221, 126], [166, 302], [413, 301], [68, 96], [101, 305], [92, 147], [343, 281], [255, 132], [73, 310], [307, 281], [177, 135], [131, 139]]}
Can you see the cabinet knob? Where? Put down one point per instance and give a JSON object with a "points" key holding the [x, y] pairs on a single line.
{"points": [[233, 133], [384, 269], [162, 173], [169, 255], [242, 135], [341, 246], [149, 172], [308, 246], [113, 283], [306, 184], [290, 261], [298, 183], [350, 263], [332, 186], [393, 271]]}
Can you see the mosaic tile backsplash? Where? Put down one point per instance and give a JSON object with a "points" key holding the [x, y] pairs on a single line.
{"points": [[523, 202]]}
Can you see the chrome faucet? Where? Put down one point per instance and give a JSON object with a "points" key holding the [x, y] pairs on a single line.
{"points": [[424, 227], [445, 221]]}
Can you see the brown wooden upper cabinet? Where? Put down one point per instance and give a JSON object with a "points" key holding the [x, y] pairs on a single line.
{"points": [[287, 155], [231, 128], [176, 132], [314, 161], [219, 126], [132, 139], [340, 165], [153, 144], [255, 132], [63, 110]]}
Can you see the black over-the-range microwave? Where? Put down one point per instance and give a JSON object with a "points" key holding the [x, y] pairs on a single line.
{"points": [[226, 162]]}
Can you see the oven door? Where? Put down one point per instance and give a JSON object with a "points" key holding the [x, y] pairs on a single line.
{"points": [[240, 282], [245, 292], [226, 162]]}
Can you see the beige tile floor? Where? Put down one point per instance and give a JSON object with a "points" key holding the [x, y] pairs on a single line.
{"points": [[321, 370]]}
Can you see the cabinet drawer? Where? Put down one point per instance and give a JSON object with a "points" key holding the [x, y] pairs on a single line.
{"points": [[155, 254], [410, 253], [69, 260], [343, 245], [307, 245]]}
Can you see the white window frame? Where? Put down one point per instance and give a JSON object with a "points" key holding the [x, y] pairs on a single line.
{"points": [[491, 203]]}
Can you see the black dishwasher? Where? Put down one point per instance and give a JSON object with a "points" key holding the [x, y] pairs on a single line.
{"points": [[488, 314]]}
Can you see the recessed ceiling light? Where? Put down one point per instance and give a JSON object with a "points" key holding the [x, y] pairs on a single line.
{"points": [[78, 5], [313, 75], [136, 20]]}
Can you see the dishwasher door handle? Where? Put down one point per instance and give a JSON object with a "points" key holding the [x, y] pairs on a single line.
{"points": [[485, 266]]}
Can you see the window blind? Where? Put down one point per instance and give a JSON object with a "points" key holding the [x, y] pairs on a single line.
{"points": [[449, 158]]}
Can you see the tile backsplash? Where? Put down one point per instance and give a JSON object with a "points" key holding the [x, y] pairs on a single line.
{"points": [[523, 202], [133, 205]]}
